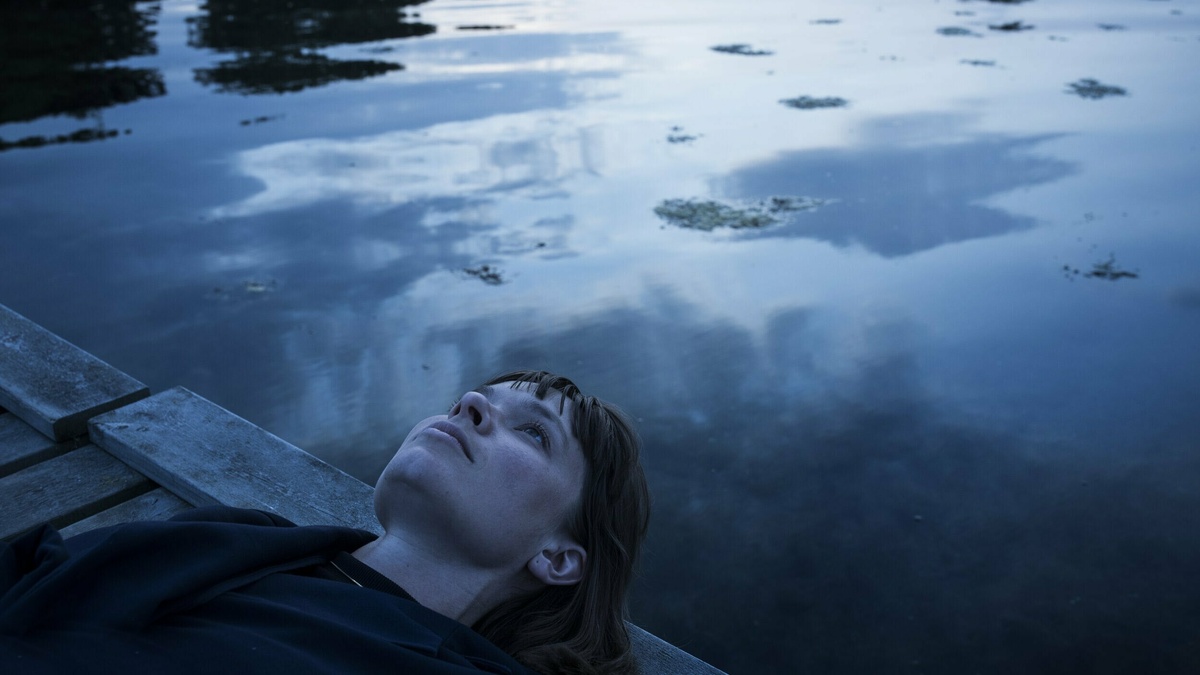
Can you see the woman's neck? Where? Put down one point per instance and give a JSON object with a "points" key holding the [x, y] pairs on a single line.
{"points": [[449, 587]]}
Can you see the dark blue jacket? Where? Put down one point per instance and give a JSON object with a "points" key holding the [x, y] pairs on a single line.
{"points": [[215, 590]]}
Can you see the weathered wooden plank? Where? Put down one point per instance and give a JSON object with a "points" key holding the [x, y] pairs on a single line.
{"points": [[658, 657], [21, 445], [53, 385], [65, 489], [158, 504], [207, 455]]}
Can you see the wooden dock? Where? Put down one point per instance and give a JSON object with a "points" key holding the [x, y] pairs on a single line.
{"points": [[83, 445]]}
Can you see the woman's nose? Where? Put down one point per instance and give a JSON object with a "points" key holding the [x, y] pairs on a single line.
{"points": [[475, 408]]}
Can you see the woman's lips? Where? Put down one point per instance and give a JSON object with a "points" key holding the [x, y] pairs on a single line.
{"points": [[454, 432]]}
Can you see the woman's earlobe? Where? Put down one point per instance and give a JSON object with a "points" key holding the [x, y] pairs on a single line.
{"points": [[559, 567]]}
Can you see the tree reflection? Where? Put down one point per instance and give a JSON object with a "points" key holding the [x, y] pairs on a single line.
{"points": [[275, 42], [52, 57]]}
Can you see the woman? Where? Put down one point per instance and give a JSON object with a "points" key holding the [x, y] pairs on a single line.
{"points": [[520, 513]]}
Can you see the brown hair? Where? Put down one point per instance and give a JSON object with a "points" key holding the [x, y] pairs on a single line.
{"points": [[581, 628]]}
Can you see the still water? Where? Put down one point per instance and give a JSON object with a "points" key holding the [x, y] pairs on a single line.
{"points": [[904, 296]]}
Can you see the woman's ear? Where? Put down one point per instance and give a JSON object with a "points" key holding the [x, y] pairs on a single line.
{"points": [[561, 565]]}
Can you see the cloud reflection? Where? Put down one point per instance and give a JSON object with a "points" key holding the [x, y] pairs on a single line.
{"points": [[518, 154], [899, 198]]}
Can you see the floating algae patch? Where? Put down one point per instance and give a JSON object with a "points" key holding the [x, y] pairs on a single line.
{"points": [[1107, 270], [813, 102], [741, 50], [485, 273], [250, 288], [791, 204], [1012, 26], [678, 136], [262, 119], [708, 215], [1089, 88]]}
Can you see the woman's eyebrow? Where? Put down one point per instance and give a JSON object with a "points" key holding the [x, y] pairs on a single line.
{"points": [[541, 408]]}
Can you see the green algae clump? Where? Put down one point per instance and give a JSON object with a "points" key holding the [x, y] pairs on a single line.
{"points": [[1093, 89], [741, 50], [708, 215], [813, 103]]}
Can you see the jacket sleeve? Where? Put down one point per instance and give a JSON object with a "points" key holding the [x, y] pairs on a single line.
{"points": [[126, 576], [27, 559]]}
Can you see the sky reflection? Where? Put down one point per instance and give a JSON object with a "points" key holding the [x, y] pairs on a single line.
{"points": [[894, 199], [897, 429], [519, 155]]}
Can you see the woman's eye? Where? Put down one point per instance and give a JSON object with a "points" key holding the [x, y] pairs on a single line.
{"points": [[536, 432]]}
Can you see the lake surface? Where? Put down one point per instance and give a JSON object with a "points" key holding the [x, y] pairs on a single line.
{"points": [[904, 296]]}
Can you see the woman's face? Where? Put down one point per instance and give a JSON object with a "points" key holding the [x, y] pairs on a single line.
{"points": [[493, 480]]}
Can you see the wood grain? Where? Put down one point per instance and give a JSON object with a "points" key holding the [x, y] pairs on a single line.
{"points": [[52, 384], [207, 455], [22, 446], [65, 489], [158, 504]]}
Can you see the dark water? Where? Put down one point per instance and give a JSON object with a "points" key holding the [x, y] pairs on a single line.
{"points": [[918, 379]]}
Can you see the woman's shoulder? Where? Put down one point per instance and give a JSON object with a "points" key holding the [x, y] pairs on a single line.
{"points": [[231, 514]]}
